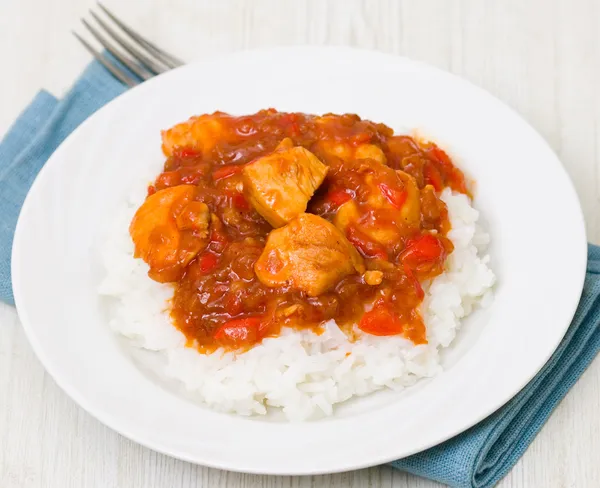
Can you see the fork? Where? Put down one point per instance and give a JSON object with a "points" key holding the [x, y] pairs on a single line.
{"points": [[141, 57]]}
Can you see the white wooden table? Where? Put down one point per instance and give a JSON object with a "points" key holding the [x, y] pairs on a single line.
{"points": [[540, 56]]}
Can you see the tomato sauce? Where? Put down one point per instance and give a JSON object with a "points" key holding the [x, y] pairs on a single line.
{"points": [[219, 301]]}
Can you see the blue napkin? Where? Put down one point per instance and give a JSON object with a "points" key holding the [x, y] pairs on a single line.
{"points": [[479, 457], [32, 139]]}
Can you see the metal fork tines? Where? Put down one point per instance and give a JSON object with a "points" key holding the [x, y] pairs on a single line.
{"points": [[141, 57]]}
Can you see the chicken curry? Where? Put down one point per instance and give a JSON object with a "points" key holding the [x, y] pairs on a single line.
{"points": [[287, 219]]}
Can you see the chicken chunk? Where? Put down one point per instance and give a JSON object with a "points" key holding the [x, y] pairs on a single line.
{"points": [[309, 254], [286, 143], [347, 214], [168, 230], [411, 209], [280, 185], [199, 134], [370, 151], [392, 208], [347, 152]]}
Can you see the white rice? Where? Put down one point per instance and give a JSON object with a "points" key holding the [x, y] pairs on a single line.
{"points": [[302, 373]]}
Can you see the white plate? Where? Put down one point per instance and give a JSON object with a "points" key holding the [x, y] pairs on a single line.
{"points": [[532, 211]]}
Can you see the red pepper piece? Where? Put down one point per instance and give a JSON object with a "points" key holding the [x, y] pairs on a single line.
{"points": [[423, 249], [226, 171], [380, 321], [186, 152], [393, 195], [239, 201], [366, 247], [207, 262], [337, 197], [239, 332], [433, 177]]}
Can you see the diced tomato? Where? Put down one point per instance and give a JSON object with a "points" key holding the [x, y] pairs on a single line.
{"points": [[423, 249], [433, 177], [288, 118], [290, 121], [217, 236], [207, 262], [458, 183], [218, 239], [380, 321], [151, 190], [365, 246], [239, 332], [186, 152], [441, 156], [453, 175], [239, 201], [393, 195], [438, 157], [233, 304], [226, 171], [337, 197]]}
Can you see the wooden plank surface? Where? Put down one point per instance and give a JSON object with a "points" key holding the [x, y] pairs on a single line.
{"points": [[542, 57]]}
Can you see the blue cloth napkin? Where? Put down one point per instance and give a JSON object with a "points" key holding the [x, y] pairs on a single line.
{"points": [[479, 457], [32, 139]]}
